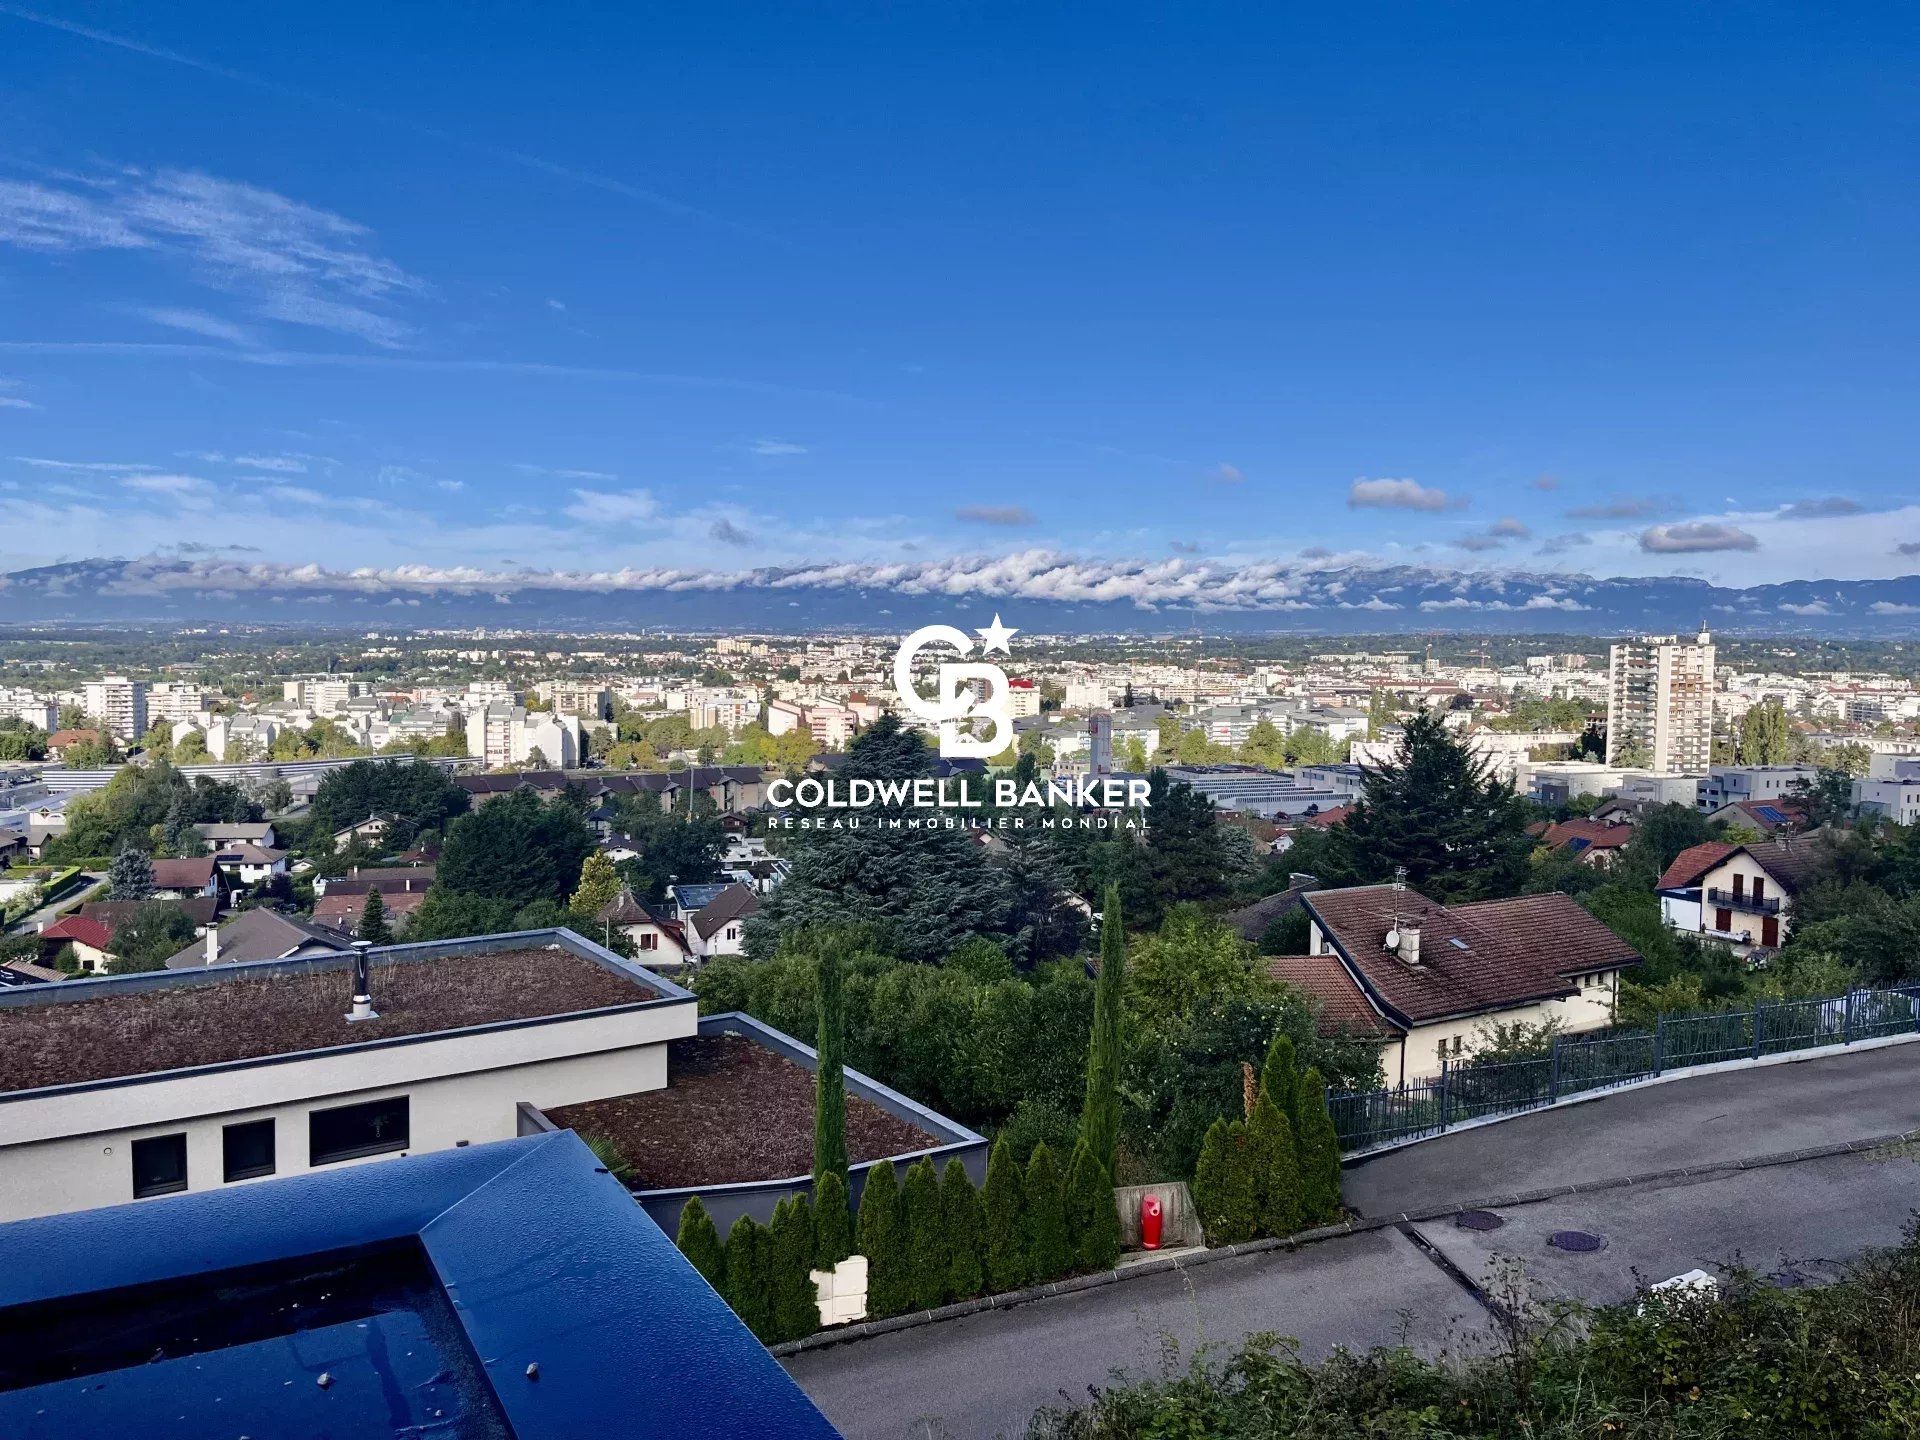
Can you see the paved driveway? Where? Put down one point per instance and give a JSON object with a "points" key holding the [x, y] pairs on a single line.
{"points": [[1698, 1120]]}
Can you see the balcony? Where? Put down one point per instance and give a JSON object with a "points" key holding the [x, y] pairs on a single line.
{"points": [[1736, 900]]}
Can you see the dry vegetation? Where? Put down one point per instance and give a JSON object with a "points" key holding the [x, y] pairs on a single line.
{"points": [[733, 1110], [248, 1016]]}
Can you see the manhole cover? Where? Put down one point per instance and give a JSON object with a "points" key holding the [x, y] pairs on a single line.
{"points": [[1478, 1220], [1579, 1242]]}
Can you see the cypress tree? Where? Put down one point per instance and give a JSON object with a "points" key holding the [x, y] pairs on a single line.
{"points": [[699, 1241], [1237, 1200], [1319, 1152], [373, 920], [1093, 1224], [966, 1224], [795, 1313], [1006, 1248], [1275, 1170], [1048, 1256], [829, 1078], [1280, 1078], [928, 1256], [1210, 1182], [832, 1222], [1100, 1115], [880, 1241], [748, 1292]]}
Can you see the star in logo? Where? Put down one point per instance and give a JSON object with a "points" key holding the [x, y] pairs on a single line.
{"points": [[995, 637]]}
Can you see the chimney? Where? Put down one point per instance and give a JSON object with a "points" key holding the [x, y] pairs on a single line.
{"points": [[213, 946], [362, 984], [1409, 947]]}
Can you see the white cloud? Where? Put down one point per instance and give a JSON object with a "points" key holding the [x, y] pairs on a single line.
{"points": [[197, 322], [276, 464], [1399, 495], [605, 507], [1228, 474], [776, 447], [1892, 607], [1696, 537]]}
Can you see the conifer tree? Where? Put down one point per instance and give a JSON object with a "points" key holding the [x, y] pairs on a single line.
{"points": [[832, 1222], [130, 875], [1319, 1147], [928, 1258], [795, 1310], [1274, 1167], [1100, 1116], [1280, 1077], [1241, 1216], [748, 1292], [1006, 1238], [966, 1224], [1048, 1255], [373, 920], [699, 1241], [878, 1233], [829, 1071], [599, 886], [1210, 1182], [1093, 1224]]}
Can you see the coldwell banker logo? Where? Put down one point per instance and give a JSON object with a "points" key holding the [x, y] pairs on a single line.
{"points": [[974, 693]]}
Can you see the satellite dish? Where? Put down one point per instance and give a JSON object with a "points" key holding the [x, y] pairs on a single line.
{"points": [[1393, 939]]}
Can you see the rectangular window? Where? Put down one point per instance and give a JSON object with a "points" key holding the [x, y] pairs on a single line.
{"points": [[346, 1132], [1769, 931], [649, 942], [159, 1165], [1723, 920], [1759, 889], [247, 1149], [1739, 886]]}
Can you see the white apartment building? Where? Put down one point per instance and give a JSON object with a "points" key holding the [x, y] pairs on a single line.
{"points": [[578, 697], [729, 710], [30, 709], [171, 701], [503, 735], [240, 737], [322, 694], [118, 703], [492, 692], [1660, 703]]}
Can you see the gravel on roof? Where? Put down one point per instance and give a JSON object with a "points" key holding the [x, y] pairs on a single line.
{"points": [[733, 1110], [243, 1017]]}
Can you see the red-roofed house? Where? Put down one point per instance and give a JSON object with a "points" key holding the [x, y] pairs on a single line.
{"points": [[1743, 897], [1438, 974], [1679, 883], [90, 940], [1341, 1007], [1595, 842]]}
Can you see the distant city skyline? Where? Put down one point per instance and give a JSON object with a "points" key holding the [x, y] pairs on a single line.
{"points": [[903, 294]]}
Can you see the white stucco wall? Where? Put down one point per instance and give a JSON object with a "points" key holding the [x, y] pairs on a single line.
{"points": [[71, 1150], [1721, 878]]}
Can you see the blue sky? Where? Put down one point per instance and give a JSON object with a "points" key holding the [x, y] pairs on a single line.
{"points": [[717, 287]]}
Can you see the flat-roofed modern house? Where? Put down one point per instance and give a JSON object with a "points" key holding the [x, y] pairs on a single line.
{"points": [[1386, 963], [196, 1079]]}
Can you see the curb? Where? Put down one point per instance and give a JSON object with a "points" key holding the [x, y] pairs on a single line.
{"points": [[1359, 1225]]}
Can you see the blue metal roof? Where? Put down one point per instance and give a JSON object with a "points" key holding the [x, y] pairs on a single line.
{"points": [[543, 1259]]}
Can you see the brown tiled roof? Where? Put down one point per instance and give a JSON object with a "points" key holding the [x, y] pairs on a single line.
{"points": [[389, 880], [1796, 864], [1327, 819], [200, 909], [342, 912], [1691, 863], [188, 874], [1473, 958], [60, 739], [736, 902], [1598, 834], [1344, 1007], [1251, 922]]}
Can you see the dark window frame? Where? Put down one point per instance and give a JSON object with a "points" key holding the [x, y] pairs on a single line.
{"points": [[245, 1129], [332, 1114], [145, 1146]]}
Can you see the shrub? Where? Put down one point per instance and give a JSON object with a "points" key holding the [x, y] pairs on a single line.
{"points": [[832, 1222], [1035, 1122], [1319, 1148], [749, 1291], [1280, 1077], [700, 1243], [1048, 1256], [1093, 1222], [1274, 1168], [880, 1240], [795, 1310], [924, 1231], [829, 1077], [1006, 1240], [1223, 1185], [965, 1224]]}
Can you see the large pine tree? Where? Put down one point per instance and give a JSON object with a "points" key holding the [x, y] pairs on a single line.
{"points": [[1435, 811]]}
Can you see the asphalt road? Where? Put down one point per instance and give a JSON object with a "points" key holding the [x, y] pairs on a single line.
{"points": [[27, 924], [986, 1374], [1697, 1120]]}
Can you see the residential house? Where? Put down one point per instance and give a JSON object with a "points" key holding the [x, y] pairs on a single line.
{"points": [[1435, 976], [713, 916], [258, 934], [219, 836], [370, 831], [1769, 817], [245, 865], [186, 878], [1747, 894], [339, 902], [1681, 888], [92, 942], [659, 940], [61, 741], [1594, 842]]}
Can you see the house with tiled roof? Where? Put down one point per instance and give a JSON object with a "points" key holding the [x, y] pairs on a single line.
{"points": [[1434, 976], [1592, 842], [185, 878], [715, 916], [1743, 895], [91, 941], [657, 938], [1769, 817]]}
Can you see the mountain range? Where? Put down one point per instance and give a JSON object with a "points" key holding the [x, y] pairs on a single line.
{"points": [[1040, 593]]}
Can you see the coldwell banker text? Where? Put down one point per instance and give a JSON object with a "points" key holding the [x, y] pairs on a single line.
{"points": [[956, 794]]}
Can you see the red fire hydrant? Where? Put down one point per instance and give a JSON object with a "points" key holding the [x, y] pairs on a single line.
{"points": [[1149, 1222]]}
